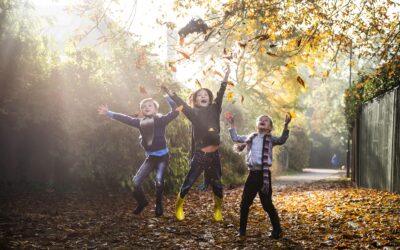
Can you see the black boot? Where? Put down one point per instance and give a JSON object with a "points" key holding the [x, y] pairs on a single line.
{"points": [[244, 213], [141, 200], [159, 208], [276, 226]]}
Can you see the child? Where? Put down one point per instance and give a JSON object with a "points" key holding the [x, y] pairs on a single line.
{"points": [[259, 160], [205, 118], [152, 137]]}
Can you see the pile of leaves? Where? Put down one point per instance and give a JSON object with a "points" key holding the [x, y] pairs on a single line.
{"points": [[370, 86], [318, 215]]}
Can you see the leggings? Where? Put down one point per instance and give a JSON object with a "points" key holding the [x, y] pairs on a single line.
{"points": [[211, 165]]}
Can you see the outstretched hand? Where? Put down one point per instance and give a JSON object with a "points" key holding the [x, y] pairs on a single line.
{"points": [[288, 118], [227, 72], [103, 109], [230, 118], [165, 89]]}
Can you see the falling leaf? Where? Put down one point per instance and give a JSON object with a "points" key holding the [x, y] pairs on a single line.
{"points": [[290, 65], [242, 45], [198, 84], [218, 73], [301, 81], [272, 54], [180, 108], [292, 114], [229, 96], [142, 90], [231, 84], [172, 66], [181, 41], [273, 45], [241, 99], [298, 42], [185, 55], [225, 52]]}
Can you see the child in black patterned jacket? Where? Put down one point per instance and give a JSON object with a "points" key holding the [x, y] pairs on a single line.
{"points": [[259, 160]]}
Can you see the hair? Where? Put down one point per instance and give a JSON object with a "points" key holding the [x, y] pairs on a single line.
{"points": [[239, 147], [193, 96], [269, 118], [142, 102]]}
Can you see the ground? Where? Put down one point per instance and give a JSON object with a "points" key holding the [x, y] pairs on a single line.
{"points": [[314, 215]]}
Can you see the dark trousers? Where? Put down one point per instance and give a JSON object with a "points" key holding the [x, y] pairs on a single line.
{"points": [[159, 164], [253, 186], [210, 163]]}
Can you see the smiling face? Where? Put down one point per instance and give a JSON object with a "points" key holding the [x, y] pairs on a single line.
{"points": [[148, 107], [264, 124], [201, 98]]}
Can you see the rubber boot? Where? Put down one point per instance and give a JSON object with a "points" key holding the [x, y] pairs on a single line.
{"points": [[180, 215], [141, 200], [217, 208], [159, 208]]}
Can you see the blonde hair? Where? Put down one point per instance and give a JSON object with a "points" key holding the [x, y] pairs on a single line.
{"points": [[155, 103]]}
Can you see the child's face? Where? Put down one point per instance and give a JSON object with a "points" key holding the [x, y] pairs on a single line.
{"points": [[149, 108], [264, 124], [202, 99]]}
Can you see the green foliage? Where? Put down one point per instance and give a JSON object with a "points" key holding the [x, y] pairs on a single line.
{"points": [[370, 86], [299, 148]]}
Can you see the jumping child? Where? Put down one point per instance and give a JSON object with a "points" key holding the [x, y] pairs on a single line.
{"points": [[205, 117], [259, 160], [152, 137]]}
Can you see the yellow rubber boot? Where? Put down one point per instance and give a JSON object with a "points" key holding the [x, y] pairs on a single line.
{"points": [[217, 208], [180, 215]]}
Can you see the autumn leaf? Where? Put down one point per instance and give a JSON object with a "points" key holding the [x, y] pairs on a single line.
{"points": [[142, 90], [273, 45], [298, 42], [301, 81], [185, 55], [231, 84], [198, 84], [242, 45], [292, 114], [218, 73], [272, 54], [229, 96], [172, 66], [225, 52], [181, 41], [241, 99]]}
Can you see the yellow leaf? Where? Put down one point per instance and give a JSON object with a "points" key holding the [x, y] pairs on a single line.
{"points": [[229, 96], [292, 114], [185, 55], [301, 81]]}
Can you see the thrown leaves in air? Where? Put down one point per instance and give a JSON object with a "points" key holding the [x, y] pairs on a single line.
{"points": [[181, 41], [198, 84], [230, 83], [229, 96], [292, 114], [142, 90], [272, 54], [172, 66], [218, 73], [301, 81], [241, 99], [185, 55]]}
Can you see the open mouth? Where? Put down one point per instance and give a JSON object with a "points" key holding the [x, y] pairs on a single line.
{"points": [[203, 101], [262, 124]]}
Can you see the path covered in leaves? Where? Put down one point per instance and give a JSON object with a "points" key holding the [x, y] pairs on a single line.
{"points": [[317, 215]]}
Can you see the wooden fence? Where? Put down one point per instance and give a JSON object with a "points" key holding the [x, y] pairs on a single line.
{"points": [[376, 143]]}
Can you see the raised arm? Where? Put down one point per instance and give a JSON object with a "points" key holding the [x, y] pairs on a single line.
{"points": [[285, 133], [232, 130], [187, 110], [131, 121], [222, 88], [172, 114]]}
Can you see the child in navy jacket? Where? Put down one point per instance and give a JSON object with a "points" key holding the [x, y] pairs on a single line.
{"points": [[152, 137]]}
